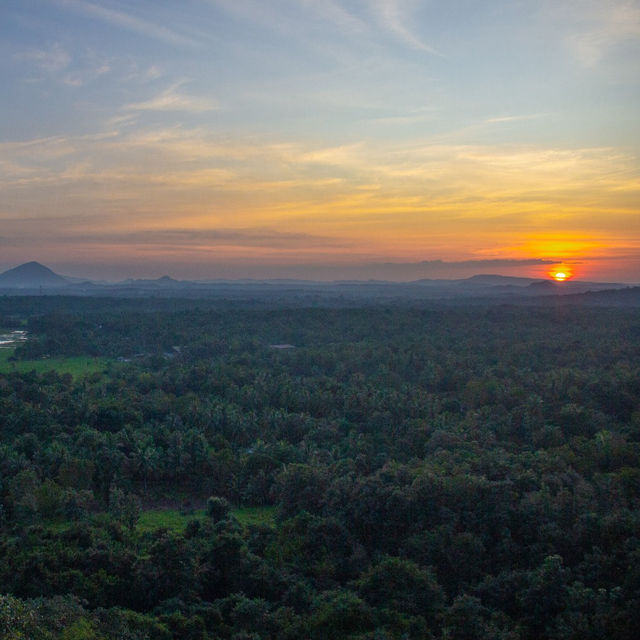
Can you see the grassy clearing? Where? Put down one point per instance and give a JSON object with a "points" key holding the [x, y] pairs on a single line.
{"points": [[166, 519], [255, 515], [176, 521], [77, 366], [58, 526]]}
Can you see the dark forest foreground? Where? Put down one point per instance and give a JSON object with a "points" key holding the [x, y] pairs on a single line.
{"points": [[432, 472]]}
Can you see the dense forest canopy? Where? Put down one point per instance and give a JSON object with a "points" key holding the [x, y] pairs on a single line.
{"points": [[439, 472]]}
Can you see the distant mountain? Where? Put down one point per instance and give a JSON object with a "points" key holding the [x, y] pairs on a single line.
{"points": [[164, 281], [497, 280], [542, 287], [35, 276], [31, 275], [478, 281]]}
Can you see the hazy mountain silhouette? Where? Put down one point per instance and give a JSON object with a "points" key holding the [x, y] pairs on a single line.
{"points": [[31, 275], [35, 276]]}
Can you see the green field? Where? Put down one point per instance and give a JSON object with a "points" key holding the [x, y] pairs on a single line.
{"points": [[166, 519], [176, 521], [255, 515], [76, 366]]}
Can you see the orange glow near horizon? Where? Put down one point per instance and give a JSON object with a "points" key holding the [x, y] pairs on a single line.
{"points": [[561, 273], [295, 207]]}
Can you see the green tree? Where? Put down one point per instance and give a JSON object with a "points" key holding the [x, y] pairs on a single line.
{"points": [[218, 508], [124, 507], [402, 585]]}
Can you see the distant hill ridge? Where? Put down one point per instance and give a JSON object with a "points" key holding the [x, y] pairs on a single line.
{"points": [[31, 275]]}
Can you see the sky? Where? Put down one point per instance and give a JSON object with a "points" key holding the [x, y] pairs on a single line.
{"points": [[321, 139]]}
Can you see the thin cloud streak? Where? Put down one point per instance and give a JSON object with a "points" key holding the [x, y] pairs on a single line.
{"points": [[412, 116], [592, 28], [485, 262], [184, 238], [366, 176], [612, 23], [173, 100], [394, 15], [128, 22], [337, 14], [515, 118], [54, 59]]}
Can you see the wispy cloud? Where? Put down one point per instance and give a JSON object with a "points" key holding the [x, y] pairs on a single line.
{"points": [[387, 199], [260, 13], [177, 238], [515, 118], [395, 15], [599, 25], [337, 14], [413, 116], [73, 71], [53, 59], [79, 78], [224, 237], [129, 22], [153, 72], [172, 99], [485, 262], [343, 155]]}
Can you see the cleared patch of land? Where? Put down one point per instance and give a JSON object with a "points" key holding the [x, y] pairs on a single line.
{"points": [[167, 519], [76, 366], [255, 515], [176, 520]]}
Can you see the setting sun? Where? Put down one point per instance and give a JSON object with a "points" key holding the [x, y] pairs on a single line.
{"points": [[561, 272]]}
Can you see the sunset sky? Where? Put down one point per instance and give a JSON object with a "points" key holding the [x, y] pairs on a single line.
{"points": [[321, 139]]}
